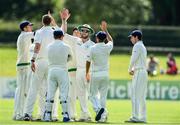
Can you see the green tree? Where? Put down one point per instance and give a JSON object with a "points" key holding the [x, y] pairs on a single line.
{"points": [[114, 11], [165, 12], [29, 9]]}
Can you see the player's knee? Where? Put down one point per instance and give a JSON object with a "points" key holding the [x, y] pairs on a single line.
{"points": [[64, 101], [50, 101]]}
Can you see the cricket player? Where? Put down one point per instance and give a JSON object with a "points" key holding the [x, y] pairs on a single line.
{"points": [[39, 66], [137, 68], [98, 60], [23, 45], [82, 48], [59, 54], [72, 75]]}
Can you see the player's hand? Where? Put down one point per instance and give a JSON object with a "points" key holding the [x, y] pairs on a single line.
{"points": [[103, 26], [33, 67], [64, 14], [53, 22], [131, 72], [88, 77]]}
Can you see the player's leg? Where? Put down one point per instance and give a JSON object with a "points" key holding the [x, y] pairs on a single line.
{"points": [[51, 90], [94, 97], [63, 82], [55, 106], [72, 95], [134, 99], [82, 92], [37, 79], [103, 90], [20, 93], [140, 88], [142, 95]]}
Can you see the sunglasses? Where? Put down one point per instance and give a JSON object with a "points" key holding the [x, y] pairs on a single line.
{"points": [[85, 31]]}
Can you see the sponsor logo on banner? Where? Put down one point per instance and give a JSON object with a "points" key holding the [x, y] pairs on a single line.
{"points": [[156, 90], [118, 89]]}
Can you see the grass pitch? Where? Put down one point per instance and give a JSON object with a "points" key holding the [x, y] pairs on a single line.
{"points": [[158, 113], [118, 65]]}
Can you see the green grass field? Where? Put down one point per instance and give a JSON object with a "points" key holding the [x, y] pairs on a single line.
{"points": [[118, 65], [158, 113]]}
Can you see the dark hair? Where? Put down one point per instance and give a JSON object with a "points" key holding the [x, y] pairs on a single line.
{"points": [[75, 28], [139, 36], [136, 32], [58, 34], [46, 19]]}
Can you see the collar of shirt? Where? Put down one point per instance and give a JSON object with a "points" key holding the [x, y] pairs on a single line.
{"points": [[46, 27], [139, 42], [58, 41], [100, 44]]}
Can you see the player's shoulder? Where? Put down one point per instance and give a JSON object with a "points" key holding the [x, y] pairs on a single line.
{"points": [[66, 45], [91, 42]]}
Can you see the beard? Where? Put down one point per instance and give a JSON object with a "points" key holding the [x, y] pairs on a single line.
{"points": [[84, 36]]}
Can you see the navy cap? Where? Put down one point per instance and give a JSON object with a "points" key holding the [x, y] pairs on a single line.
{"points": [[24, 24], [58, 33], [101, 35], [136, 33]]}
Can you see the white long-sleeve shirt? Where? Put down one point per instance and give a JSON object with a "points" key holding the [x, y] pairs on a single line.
{"points": [[81, 49], [139, 56], [23, 44], [99, 58], [70, 40], [59, 54]]}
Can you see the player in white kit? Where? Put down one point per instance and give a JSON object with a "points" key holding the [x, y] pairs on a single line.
{"points": [[137, 68], [39, 66], [72, 76], [59, 54], [23, 45], [98, 61], [82, 47]]}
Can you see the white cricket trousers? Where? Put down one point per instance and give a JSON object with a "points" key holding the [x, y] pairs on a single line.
{"points": [[138, 95], [72, 95], [98, 92], [55, 106], [57, 77], [21, 90], [82, 92], [39, 86]]}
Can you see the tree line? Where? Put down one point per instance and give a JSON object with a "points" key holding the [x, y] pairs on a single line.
{"points": [[128, 12]]}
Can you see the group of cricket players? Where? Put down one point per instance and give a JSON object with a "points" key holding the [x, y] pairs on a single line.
{"points": [[54, 67]]}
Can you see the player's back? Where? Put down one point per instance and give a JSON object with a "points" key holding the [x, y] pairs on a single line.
{"points": [[44, 36], [58, 54], [100, 56]]}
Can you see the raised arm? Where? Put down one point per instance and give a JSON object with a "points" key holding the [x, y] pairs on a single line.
{"points": [[64, 14], [53, 22], [104, 28]]}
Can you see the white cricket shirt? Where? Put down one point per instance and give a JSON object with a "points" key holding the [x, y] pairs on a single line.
{"points": [[99, 58], [139, 56], [81, 50], [44, 36], [23, 45], [58, 54]]}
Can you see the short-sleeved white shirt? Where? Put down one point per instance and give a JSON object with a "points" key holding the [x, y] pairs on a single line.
{"points": [[99, 58], [58, 54], [24, 42], [44, 36]]}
